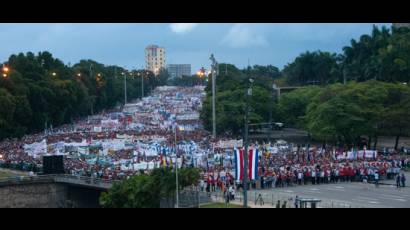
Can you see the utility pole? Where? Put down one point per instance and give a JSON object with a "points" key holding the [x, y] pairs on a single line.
{"points": [[245, 168], [142, 84], [176, 166], [92, 102], [125, 87], [214, 73], [274, 88]]}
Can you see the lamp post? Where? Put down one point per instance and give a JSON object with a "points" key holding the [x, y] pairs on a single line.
{"points": [[214, 72], [176, 168], [125, 87], [142, 83], [245, 168]]}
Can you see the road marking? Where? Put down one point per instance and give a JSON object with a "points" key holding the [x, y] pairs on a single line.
{"points": [[335, 189], [374, 202], [367, 198], [314, 189], [391, 196], [402, 200], [289, 191], [317, 192], [364, 201]]}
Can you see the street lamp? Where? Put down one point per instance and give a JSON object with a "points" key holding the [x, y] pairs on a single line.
{"points": [[214, 72], [245, 168], [5, 70], [125, 86], [54, 74], [176, 167]]}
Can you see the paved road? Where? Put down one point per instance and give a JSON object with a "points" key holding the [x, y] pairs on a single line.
{"points": [[347, 194]]}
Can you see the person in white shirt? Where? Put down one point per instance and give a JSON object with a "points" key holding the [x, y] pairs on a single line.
{"points": [[313, 176], [376, 179], [300, 177]]}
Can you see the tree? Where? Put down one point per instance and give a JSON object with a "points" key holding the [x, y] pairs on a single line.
{"points": [[292, 106], [312, 68], [147, 190], [49, 92]]}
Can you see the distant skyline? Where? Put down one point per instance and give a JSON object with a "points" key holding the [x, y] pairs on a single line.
{"points": [[123, 44]]}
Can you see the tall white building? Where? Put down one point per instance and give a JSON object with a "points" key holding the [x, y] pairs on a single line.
{"points": [[154, 58]]}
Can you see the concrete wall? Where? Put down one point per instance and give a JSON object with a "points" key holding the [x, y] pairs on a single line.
{"points": [[47, 195]]}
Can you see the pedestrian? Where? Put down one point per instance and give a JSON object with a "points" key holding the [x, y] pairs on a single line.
{"points": [[403, 180], [296, 202], [376, 179], [284, 204], [278, 204], [313, 176], [398, 180]]}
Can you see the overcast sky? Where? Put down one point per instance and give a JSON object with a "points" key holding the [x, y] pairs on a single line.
{"points": [[186, 43]]}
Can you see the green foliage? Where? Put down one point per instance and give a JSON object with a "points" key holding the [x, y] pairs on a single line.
{"points": [[40, 88], [292, 106], [231, 85], [146, 190], [313, 68], [347, 112]]}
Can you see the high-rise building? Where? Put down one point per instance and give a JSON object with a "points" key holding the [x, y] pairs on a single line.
{"points": [[154, 58], [179, 70]]}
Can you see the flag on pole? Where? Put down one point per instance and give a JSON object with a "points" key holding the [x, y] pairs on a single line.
{"points": [[253, 163], [253, 157], [238, 164]]}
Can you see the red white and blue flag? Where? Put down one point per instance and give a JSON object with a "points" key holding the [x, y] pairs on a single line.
{"points": [[253, 157]]}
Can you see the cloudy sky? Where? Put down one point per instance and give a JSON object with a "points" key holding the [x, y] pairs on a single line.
{"points": [[191, 43]]}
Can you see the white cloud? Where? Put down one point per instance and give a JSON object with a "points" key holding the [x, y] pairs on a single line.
{"points": [[242, 35], [182, 28]]}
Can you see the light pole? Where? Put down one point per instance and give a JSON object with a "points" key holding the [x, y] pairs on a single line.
{"points": [[125, 87], [274, 89], [245, 168], [214, 72], [142, 84], [176, 167]]}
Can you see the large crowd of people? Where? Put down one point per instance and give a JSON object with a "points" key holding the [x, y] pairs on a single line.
{"points": [[164, 130]]}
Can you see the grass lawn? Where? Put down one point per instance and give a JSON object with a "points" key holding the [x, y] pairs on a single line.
{"points": [[4, 173], [221, 205]]}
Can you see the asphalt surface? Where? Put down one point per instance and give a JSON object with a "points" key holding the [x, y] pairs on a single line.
{"points": [[349, 194]]}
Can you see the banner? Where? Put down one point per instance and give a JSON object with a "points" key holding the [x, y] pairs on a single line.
{"points": [[36, 149], [229, 144]]}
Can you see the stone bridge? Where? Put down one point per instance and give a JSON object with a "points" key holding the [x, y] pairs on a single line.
{"points": [[52, 191]]}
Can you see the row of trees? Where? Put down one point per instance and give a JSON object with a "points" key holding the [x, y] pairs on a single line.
{"points": [[147, 190], [375, 69], [40, 90], [383, 55], [345, 113]]}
